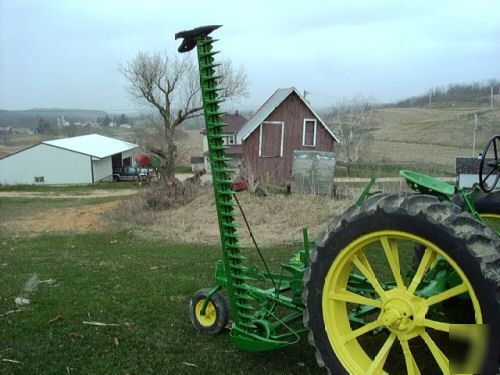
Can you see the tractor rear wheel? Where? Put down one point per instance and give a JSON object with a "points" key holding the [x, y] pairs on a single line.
{"points": [[216, 313], [488, 207], [376, 241]]}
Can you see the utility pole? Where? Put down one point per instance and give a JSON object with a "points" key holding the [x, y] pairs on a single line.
{"points": [[474, 136], [430, 99], [491, 97]]}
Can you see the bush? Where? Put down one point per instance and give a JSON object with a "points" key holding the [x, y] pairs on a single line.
{"points": [[143, 208], [166, 195]]}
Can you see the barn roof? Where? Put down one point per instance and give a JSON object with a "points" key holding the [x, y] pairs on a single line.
{"points": [[95, 145], [468, 165], [270, 105], [234, 123]]}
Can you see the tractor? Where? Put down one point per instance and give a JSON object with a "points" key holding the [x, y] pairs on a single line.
{"points": [[405, 283]]}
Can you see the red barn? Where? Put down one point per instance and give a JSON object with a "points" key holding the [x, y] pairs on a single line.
{"points": [[284, 123]]}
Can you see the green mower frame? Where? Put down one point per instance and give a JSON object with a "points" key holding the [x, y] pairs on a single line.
{"points": [[268, 308]]}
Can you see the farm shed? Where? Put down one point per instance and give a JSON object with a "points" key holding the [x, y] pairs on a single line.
{"points": [[467, 170], [78, 160], [285, 123]]}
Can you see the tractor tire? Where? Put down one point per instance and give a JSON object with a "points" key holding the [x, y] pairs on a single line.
{"points": [[468, 246], [486, 204], [216, 314]]}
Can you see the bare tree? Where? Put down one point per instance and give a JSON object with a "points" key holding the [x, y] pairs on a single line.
{"points": [[352, 122], [171, 87]]}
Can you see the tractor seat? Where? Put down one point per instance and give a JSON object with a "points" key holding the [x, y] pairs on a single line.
{"points": [[427, 184]]}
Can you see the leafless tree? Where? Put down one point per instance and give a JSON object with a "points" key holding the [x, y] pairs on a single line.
{"points": [[352, 122], [171, 87]]}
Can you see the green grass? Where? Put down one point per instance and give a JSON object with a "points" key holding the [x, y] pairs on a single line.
{"points": [[74, 189], [115, 278], [388, 170]]}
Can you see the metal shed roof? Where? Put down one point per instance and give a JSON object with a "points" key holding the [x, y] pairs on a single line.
{"points": [[95, 145], [269, 106]]}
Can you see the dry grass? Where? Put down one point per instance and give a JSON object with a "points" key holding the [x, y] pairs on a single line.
{"points": [[76, 219], [274, 219]]}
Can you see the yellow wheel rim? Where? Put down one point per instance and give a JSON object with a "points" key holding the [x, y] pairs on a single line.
{"points": [[490, 216], [399, 310], [210, 316], [491, 220]]}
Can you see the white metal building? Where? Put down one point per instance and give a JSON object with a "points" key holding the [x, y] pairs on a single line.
{"points": [[78, 160]]}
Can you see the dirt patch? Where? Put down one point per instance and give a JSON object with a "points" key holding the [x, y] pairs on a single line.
{"points": [[78, 219], [77, 195]]}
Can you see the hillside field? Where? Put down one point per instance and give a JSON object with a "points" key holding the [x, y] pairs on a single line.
{"points": [[422, 138], [429, 136]]}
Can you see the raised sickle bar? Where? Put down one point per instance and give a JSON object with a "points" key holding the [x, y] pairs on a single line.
{"points": [[239, 297]]}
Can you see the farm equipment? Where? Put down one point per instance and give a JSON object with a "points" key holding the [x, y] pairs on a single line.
{"points": [[355, 293]]}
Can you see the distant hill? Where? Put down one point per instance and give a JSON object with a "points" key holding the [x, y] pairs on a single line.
{"points": [[455, 95], [29, 118]]}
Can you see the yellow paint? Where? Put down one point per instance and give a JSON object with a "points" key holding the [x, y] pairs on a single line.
{"points": [[210, 316], [490, 216], [402, 313]]}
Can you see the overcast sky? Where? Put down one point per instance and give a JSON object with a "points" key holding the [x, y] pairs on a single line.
{"points": [[64, 53]]}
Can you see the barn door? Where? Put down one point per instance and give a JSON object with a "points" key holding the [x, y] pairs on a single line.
{"points": [[271, 139]]}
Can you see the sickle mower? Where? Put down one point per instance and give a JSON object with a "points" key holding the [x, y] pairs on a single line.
{"points": [[363, 305]]}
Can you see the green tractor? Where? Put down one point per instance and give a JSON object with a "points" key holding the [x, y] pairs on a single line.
{"points": [[400, 283]]}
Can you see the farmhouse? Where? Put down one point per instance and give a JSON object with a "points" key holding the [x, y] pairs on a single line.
{"points": [[234, 123], [285, 123], [77, 160]]}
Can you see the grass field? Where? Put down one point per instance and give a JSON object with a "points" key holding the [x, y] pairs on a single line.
{"points": [[142, 287], [429, 136]]}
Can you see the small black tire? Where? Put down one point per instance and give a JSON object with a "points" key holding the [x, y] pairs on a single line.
{"points": [[488, 203], [474, 247], [216, 314]]}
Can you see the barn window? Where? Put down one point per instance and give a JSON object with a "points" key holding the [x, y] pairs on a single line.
{"points": [[271, 139], [40, 179], [309, 133]]}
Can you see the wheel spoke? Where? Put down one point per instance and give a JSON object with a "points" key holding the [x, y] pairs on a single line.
{"points": [[426, 261], [450, 293], [489, 174], [438, 355], [411, 365], [362, 257], [370, 276], [362, 330], [377, 365], [351, 297], [439, 326], [392, 254]]}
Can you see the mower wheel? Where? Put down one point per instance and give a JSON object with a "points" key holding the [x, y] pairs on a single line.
{"points": [[405, 329], [216, 313]]}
